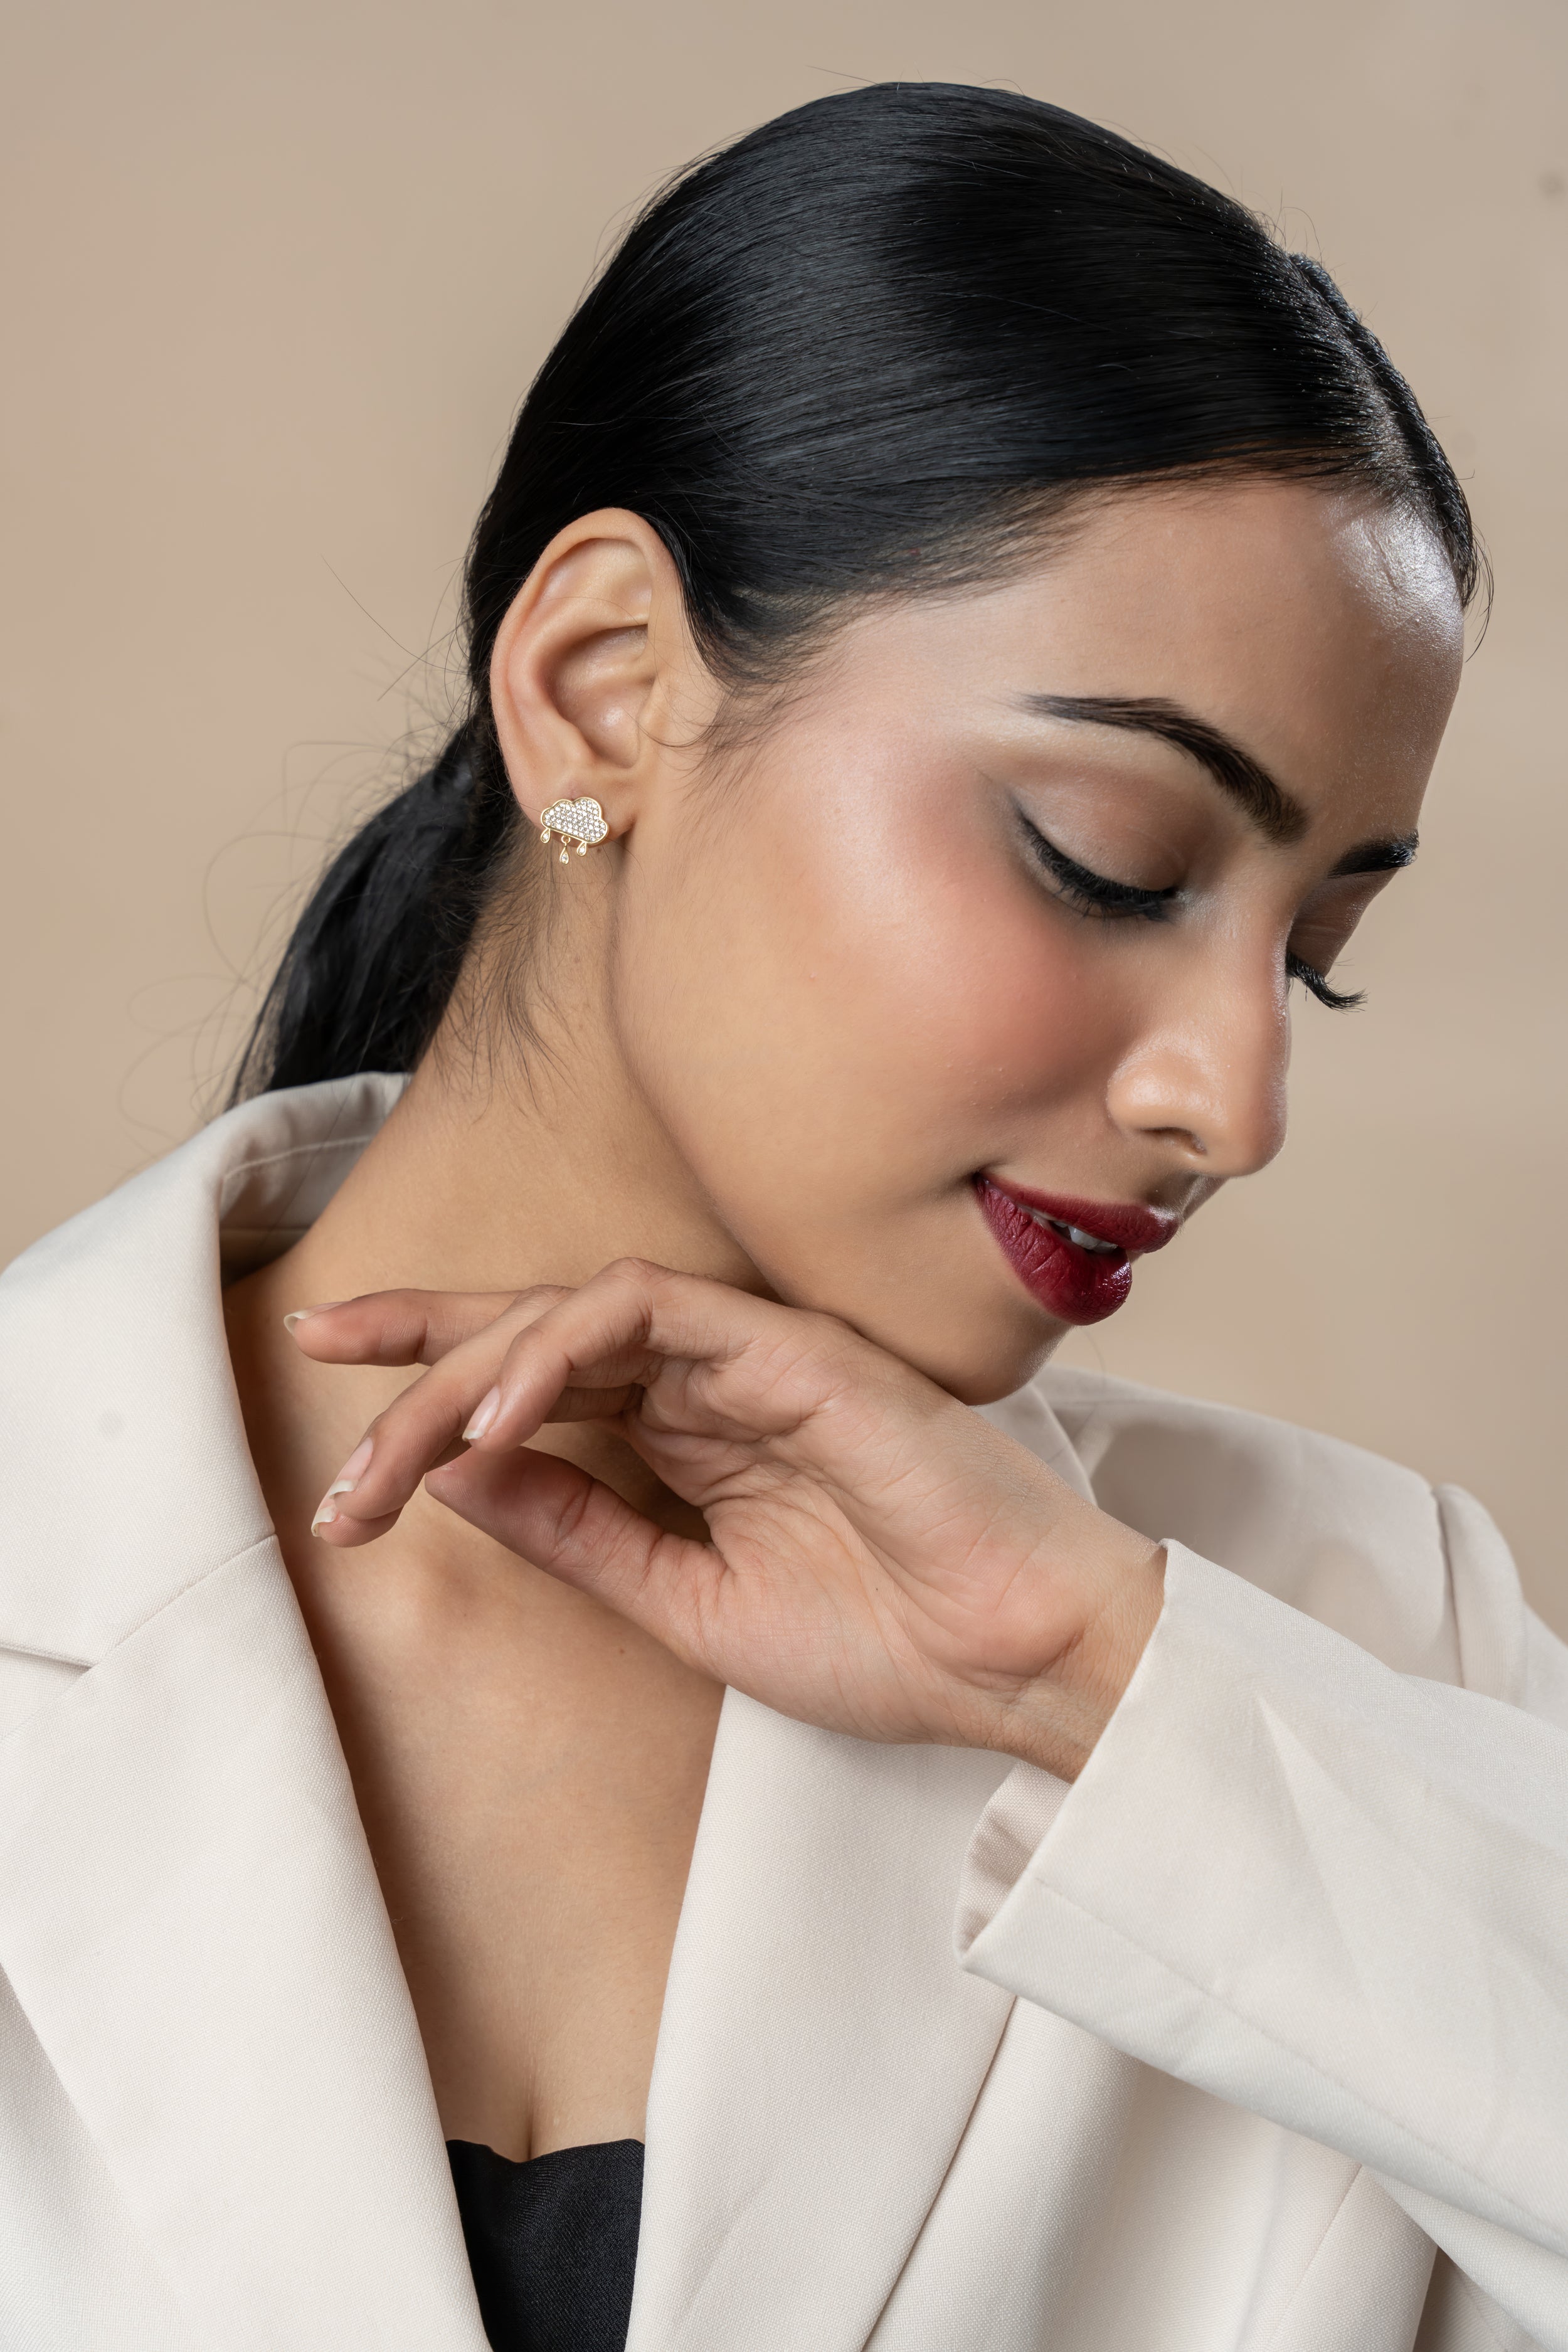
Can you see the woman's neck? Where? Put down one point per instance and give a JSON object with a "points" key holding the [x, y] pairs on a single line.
{"points": [[486, 1176], [496, 1182]]}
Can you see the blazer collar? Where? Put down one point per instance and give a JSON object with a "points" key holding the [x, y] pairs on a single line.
{"points": [[125, 1473], [189, 1915]]}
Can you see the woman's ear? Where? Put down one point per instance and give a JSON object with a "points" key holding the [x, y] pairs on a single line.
{"points": [[588, 666]]}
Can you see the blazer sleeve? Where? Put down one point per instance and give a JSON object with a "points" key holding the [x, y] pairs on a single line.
{"points": [[1329, 1893]]}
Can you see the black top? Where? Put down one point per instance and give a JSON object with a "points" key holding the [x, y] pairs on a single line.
{"points": [[552, 2244]]}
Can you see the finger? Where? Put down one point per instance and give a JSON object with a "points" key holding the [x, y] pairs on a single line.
{"points": [[420, 1428], [408, 1327], [333, 1526], [428, 1424], [344, 1522], [584, 1355], [553, 1514], [635, 1318]]}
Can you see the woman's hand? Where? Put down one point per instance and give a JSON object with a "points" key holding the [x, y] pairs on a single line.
{"points": [[881, 1560]]}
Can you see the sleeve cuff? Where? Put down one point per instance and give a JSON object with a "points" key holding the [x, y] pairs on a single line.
{"points": [[1024, 1810], [1317, 1888]]}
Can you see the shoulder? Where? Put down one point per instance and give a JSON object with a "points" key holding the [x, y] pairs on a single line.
{"points": [[1225, 1474], [1362, 1544]]}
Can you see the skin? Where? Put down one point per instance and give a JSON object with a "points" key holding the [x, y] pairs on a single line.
{"points": [[705, 1248]]}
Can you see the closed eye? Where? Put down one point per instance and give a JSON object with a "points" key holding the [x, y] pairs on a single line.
{"points": [[1332, 913], [1095, 894]]}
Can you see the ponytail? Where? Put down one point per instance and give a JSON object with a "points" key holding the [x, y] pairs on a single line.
{"points": [[374, 959]]}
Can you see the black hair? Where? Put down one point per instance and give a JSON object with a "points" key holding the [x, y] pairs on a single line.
{"points": [[872, 345]]}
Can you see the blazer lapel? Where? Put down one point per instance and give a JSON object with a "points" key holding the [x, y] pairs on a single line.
{"points": [[189, 1918], [820, 2049], [188, 1911]]}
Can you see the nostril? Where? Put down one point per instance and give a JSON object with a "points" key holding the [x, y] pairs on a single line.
{"points": [[1185, 1139]]}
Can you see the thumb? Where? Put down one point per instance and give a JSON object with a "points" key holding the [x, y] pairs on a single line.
{"points": [[582, 1532]]}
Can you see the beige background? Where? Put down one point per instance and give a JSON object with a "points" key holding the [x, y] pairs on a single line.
{"points": [[277, 275]]}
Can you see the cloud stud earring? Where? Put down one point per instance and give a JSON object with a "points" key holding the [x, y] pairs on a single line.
{"points": [[580, 821]]}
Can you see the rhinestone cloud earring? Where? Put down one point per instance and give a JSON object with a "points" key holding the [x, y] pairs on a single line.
{"points": [[580, 821]]}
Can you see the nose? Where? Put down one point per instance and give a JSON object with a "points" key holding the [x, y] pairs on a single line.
{"points": [[1205, 1075]]}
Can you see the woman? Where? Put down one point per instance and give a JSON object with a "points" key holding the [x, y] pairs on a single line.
{"points": [[964, 619]]}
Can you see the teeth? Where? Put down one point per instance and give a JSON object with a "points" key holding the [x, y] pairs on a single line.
{"points": [[1075, 1234]]}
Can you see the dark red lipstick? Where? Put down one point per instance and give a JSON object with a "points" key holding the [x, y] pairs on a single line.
{"points": [[1075, 1257]]}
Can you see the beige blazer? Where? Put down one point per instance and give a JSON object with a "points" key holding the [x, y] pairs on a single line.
{"points": [[1208, 2053]]}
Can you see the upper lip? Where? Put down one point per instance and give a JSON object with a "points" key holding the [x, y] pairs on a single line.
{"points": [[1126, 1226]]}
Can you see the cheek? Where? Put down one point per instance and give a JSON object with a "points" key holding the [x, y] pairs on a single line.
{"points": [[850, 1016]]}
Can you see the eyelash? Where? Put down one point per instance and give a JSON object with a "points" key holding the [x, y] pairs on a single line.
{"points": [[1313, 981], [1095, 895]]}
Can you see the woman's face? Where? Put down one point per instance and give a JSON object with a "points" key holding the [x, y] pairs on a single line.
{"points": [[988, 935]]}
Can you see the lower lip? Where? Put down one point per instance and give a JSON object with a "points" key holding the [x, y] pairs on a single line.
{"points": [[1076, 1286]]}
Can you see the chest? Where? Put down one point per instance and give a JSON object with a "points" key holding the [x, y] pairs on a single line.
{"points": [[530, 1773]]}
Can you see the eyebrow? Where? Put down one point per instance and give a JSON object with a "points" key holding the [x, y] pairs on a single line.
{"points": [[1274, 811], [1236, 772]]}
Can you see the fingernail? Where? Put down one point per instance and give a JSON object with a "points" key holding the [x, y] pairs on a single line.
{"points": [[485, 1413], [303, 1314], [353, 1469], [345, 1482]]}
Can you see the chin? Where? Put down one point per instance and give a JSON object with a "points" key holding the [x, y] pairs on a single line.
{"points": [[973, 1331], [985, 1361], [987, 1385]]}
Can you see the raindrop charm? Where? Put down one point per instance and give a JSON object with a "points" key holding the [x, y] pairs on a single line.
{"points": [[580, 821]]}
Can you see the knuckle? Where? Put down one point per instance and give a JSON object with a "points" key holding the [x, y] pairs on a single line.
{"points": [[574, 1515], [639, 1270], [831, 1343], [522, 1348], [388, 1304]]}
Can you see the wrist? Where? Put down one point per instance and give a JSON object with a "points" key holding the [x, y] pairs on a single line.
{"points": [[1056, 1719]]}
